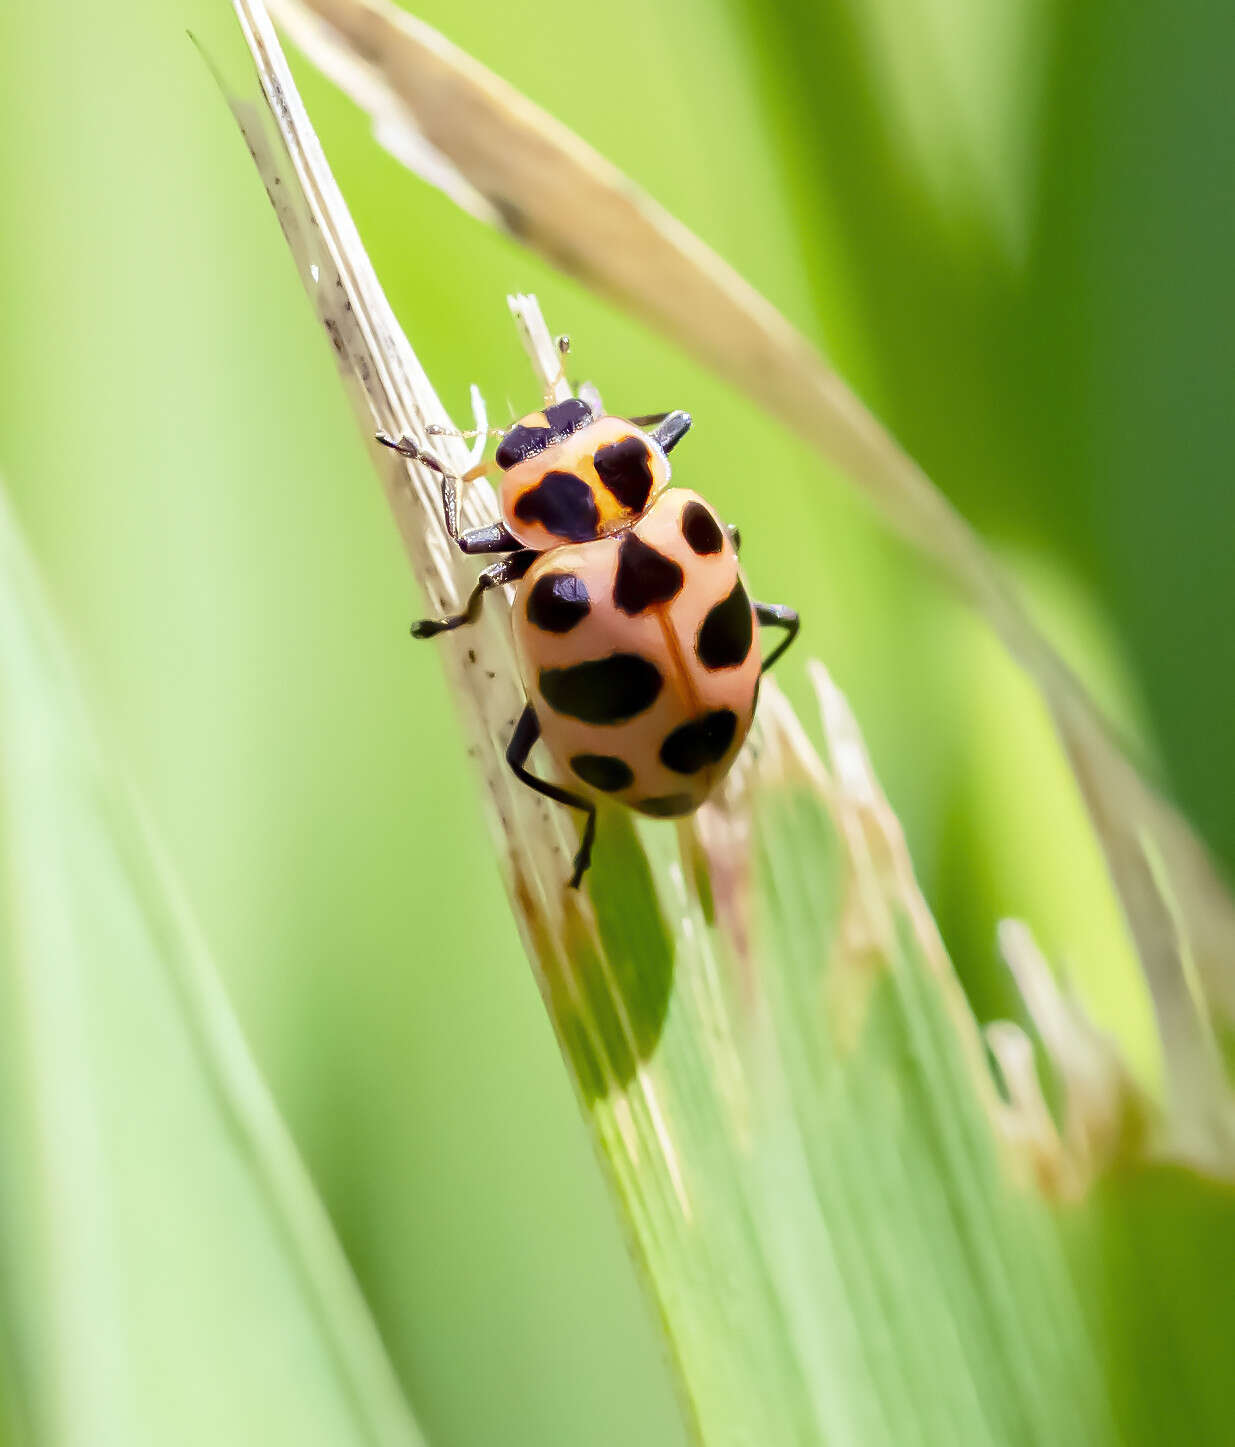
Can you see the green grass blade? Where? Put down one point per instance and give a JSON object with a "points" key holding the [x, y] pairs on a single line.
{"points": [[843, 1246], [170, 1275], [853, 1235]]}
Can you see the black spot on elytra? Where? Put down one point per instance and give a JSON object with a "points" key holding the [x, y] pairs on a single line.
{"points": [[666, 806], [644, 577], [727, 632], [603, 771], [522, 442], [699, 743], [625, 468], [562, 503], [701, 530], [557, 602], [603, 690]]}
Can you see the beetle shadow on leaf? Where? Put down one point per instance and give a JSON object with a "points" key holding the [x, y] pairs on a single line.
{"points": [[613, 1006]]}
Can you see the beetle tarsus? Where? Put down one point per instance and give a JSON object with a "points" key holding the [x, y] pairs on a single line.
{"points": [[405, 447], [496, 575]]}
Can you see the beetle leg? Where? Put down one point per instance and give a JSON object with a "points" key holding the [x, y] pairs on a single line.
{"points": [[668, 428], [496, 575], [522, 741], [481, 540], [776, 615], [735, 536], [405, 447], [493, 539]]}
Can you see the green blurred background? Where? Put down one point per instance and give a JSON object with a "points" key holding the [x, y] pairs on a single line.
{"points": [[1011, 226]]}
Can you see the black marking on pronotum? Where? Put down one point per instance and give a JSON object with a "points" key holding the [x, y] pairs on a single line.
{"points": [[603, 771], [666, 806], [557, 602], [603, 690], [727, 632], [645, 577], [522, 442], [625, 468], [701, 530], [702, 741], [562, 503]]}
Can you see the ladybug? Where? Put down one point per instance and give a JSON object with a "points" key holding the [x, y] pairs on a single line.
{"points": [[634, 631]]}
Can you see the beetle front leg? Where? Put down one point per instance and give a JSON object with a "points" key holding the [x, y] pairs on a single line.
{"points": [[481, 540], [496, 575], [405, 447]]}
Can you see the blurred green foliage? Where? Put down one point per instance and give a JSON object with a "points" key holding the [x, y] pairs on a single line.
{"points": [[1011, 228], [169, 1275], [1027, 206]]}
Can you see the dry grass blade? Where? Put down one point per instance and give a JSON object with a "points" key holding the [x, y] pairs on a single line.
{"points": [[390, 393], [465, 130]]}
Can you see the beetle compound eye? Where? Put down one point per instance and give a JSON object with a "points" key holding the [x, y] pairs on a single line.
{"points": [[533, 433], [567, 417], [520, 443]]}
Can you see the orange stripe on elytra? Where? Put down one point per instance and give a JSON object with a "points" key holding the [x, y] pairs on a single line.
{"points": [[609, 508], [674, 646]]}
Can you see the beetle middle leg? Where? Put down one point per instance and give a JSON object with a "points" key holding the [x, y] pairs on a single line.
{"points": [[496, 575], [522, 741], [776, 615]]}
